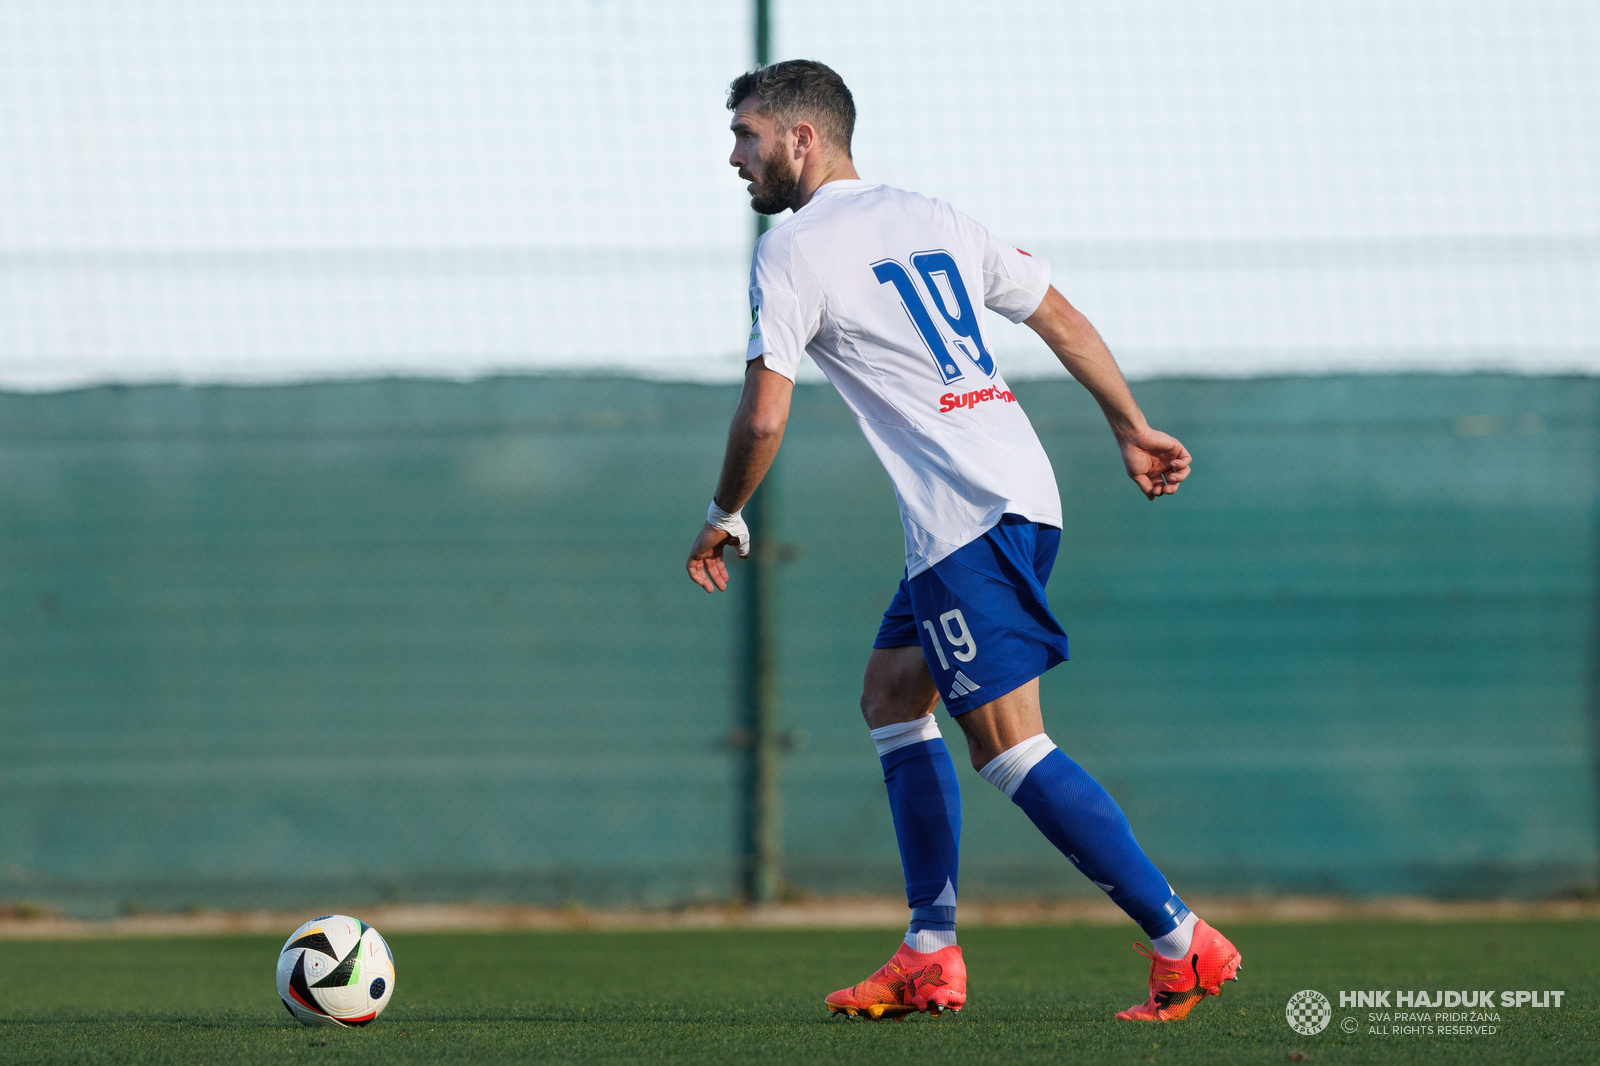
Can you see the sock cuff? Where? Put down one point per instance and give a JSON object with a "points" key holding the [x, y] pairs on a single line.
{"points": [[932, 917], [898, 735], [1165, 918], [930, 940], [1007, 770], [1176, 942]]}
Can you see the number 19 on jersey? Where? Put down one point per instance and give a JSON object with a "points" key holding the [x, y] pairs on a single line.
{"points": [[948, 295]]}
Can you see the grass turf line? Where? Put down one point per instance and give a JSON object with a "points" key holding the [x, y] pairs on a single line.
{"points": [[1043, 994]]}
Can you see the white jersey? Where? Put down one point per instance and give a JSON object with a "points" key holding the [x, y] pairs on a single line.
{"points": [[885, 289]]}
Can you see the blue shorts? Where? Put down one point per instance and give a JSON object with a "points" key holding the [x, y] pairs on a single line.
{"points": [[980, 615]]}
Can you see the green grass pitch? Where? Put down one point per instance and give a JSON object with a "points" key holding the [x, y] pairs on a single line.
{"points": [[1043, 994]]}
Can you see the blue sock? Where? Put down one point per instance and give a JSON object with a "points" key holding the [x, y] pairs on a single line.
{"points": [[1080, 818], [925, 800]]}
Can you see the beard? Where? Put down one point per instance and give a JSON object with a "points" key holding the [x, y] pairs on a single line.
{"points": [[781, 184]]}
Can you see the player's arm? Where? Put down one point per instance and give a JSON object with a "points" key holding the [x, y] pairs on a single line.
{"points": [[1156, 462], [753, 440]]}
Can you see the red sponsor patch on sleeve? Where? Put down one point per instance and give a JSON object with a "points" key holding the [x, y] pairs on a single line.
{"points": [[1026, 253]]}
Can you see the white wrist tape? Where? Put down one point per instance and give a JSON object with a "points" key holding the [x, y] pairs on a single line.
{"points": [[733, 525]]}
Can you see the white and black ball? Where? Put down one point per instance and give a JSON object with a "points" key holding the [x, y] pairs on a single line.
{"points": [[335, 970]]}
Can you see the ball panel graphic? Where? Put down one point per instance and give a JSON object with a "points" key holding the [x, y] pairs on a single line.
{"points": [[314, 939], [380, 967]]}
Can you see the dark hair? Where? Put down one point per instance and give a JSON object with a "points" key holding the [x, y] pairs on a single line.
{"points": [[801, 89]]}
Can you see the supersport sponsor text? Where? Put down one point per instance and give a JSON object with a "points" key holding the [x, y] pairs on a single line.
{"points": [[950, 401]]}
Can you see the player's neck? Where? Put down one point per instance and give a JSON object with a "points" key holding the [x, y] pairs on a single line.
{"points": [[814, 176]]}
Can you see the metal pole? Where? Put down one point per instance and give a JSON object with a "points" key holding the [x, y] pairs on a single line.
{"points": [[762, 732], [763, 38], [1593, 694], [761, 839]]}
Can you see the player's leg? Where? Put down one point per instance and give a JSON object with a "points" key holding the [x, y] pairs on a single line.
{"points": [[1009, 748], [897, 700]]}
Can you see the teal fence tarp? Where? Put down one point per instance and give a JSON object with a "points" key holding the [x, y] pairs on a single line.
{"points": [[421, 640]]}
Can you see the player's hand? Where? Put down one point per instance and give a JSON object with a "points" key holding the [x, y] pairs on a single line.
{"points": [[1158, 463], [705, 564]]}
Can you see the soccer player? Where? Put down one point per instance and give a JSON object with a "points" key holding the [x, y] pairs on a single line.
{"points": [[882, 288]]}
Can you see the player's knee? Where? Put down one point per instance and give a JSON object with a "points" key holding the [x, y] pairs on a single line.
{"points": [[979, 752], [876, 697], [881, 707], [871, 706]]}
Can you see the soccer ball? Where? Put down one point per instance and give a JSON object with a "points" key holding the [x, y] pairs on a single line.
{"points": [[335, 970]]}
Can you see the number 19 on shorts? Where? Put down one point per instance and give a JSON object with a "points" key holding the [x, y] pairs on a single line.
{"points": [[962, 646]]}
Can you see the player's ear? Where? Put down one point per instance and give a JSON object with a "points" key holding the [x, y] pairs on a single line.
{"points": [[805, 135]]}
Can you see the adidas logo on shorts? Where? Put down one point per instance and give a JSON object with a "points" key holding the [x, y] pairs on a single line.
{"points": [[964, 686]]}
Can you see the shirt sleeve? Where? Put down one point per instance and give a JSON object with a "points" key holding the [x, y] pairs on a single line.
{"points": [[1014, 282], [785, 306]]}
